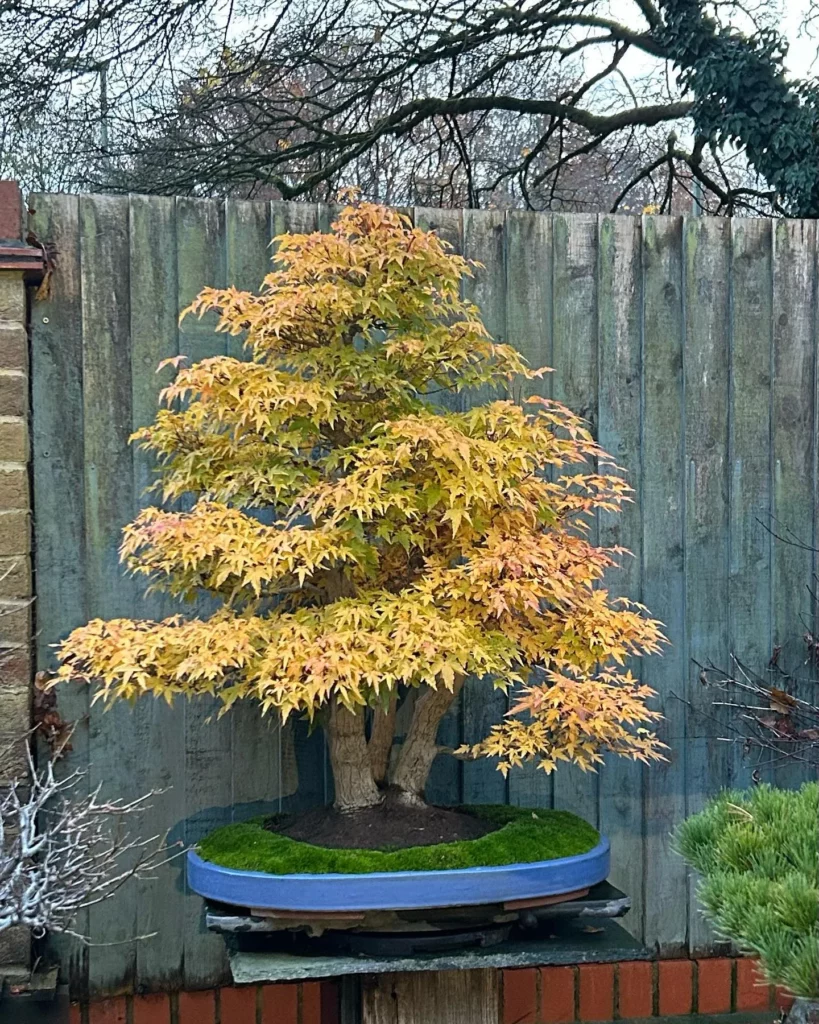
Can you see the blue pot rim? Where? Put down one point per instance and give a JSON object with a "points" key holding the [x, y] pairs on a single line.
{"points": [[399, 890]]}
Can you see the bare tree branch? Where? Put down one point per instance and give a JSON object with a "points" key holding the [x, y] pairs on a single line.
{"points": [[455, 102], [61, 852]]}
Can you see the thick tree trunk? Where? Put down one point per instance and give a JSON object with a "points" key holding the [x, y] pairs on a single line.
{"points": [[420, 747], [381, 737], [354, 783]]}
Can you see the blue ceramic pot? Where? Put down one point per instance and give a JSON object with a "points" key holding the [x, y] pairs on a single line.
{"points": [[399, 890]]}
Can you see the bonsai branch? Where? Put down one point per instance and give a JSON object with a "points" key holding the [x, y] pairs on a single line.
{"points": [[762, 713]]}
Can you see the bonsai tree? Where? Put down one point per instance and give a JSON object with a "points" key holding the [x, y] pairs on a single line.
{"points": [[363, 541], [758, 857]]}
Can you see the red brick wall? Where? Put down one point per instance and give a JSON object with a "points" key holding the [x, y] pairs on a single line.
{"points": [[633, 991], [532, 995], [308, 1003]]}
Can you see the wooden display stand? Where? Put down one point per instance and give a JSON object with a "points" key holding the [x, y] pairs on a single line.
{"points": [[445, 997], [450, 986]]}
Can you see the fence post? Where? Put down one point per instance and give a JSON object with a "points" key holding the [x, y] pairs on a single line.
{"points": [[19, 264]]}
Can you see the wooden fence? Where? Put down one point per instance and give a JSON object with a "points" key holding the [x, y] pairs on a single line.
{"points": [[689, 345]]}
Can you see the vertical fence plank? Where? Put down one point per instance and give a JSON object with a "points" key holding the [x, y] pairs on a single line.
{"points": [[327, 213], [529, 299], [153, 315], [620, 354], [256, 740], [576, 385], [200, 260], [706, 362], [296, 218], [665, 891], [484, 705], [326, 216], [749, 595], [529, 328], [445, 783], [447, 225], [109, 502], [293, 217], [307, 784], [58, 468], [794, 446]]}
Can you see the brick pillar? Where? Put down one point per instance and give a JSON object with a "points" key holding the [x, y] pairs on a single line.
{"points": [[19, 263]]}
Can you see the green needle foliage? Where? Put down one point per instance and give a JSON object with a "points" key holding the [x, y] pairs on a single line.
{"points": [[758, 854]]}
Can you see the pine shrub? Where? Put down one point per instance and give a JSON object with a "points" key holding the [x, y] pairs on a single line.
{"points": [[758, 855]]}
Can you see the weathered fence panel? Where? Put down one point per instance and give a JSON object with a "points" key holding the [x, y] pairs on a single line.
{"points": [[690, 346]]}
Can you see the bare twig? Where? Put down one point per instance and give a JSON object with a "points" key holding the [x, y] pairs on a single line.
{"points": [[62, 851]]}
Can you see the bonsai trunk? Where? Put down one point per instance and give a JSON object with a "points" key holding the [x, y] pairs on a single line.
{"points": [[360, 768], [420, 748], [381, 736], [349, 758]]}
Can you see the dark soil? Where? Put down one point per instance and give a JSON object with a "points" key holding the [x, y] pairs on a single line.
{"points": [[381, 828]]}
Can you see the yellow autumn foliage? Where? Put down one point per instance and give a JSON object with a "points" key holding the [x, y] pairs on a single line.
{"points": [[358, 535]]}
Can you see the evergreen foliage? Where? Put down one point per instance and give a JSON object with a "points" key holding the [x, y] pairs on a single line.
{"points": [[743, 95], [758, 854]]}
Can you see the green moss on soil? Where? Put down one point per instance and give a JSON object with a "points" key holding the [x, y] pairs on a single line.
{"points": [[524, 835]]}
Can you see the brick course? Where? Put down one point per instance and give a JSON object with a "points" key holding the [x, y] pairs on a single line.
{"points": [[13, 440], [557, 989], [715, 980], [13, 346], [676, 987], [238, 1005], [632, 991], [15, 577], [11, 211], [152, 1009], [596, 992], [752, 993], [15, 533], [13, 388], [783, 999], [280, 1004], [635, 989], [312, 1002], [638, 990], [196, 1007], [520, 999], [109, 1011]]}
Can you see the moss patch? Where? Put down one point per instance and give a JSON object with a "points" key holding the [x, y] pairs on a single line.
{"points": [[523, 835]]}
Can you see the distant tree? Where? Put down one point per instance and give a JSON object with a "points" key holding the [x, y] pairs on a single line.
{"points": [[458, 161], [299, 96]]}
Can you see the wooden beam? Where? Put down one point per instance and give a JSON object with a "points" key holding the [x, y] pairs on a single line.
{"points": [[450, 997]]}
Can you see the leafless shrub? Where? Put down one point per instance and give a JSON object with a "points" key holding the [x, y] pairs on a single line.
{"points": [[772, 721], [63, 850]]}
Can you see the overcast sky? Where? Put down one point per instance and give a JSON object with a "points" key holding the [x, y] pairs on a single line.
{"points": [[803, 49]]}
